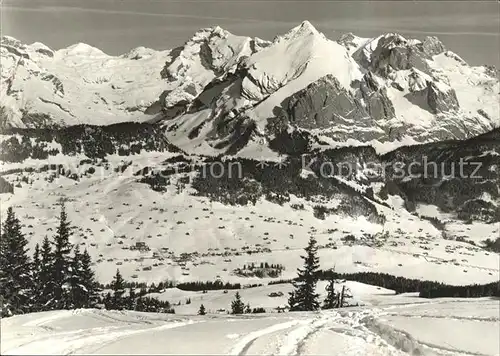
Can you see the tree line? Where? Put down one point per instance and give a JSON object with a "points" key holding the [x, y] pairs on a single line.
{"points": [[208, 285], [118, 299], [123, 139], [426, 289]]}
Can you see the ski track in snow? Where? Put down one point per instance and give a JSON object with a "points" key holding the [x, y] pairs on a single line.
{"points": [[361, 328], [299, 333], [296, 339], [244, 344], [130, 333], [83, 341]]}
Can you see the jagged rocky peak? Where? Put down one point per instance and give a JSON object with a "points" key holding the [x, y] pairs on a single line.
{"points": [[209, 32], [211, 53], [13, 46], [42, 49], [17, 48], [139, 53], [304, 29], [10, 41], [303, 53], [391, 52], [433, 46], [213, 49], [351, 41]]}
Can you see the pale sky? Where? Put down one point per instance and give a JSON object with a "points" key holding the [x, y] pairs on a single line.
{"points": [[469, 28]]}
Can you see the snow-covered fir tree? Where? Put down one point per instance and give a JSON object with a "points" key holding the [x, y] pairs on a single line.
{"points": [[202, 310], [37, 288], [304, 297], [15, 268], [44, 279], [237, 305], [61, 267], [89, 282], [132, 300], [77, 287], [118, 302]]}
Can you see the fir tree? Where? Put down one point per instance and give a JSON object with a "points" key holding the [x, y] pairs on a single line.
{"points": [[45, 281], [202, 310], [331, 300], [77, 287], [131, 303], [237, 305], [90, 285], [36, 268], [248, 310], [37, 263], [15, 268], [118, 287], [140, 305], [292, 299], [108, 301], [304, 297], [61, 269]]}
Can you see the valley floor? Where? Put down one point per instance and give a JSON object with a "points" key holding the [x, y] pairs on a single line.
{"points": [[418, 327]]}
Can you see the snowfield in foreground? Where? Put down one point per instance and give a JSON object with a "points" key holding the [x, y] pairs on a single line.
{"points": [[399, 325]]}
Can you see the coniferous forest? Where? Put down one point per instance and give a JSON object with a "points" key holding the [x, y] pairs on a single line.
{"points": [[57, 275], [426, 289]]}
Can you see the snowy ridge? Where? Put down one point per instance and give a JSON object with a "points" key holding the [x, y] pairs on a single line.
{"points": [[76, 85]]}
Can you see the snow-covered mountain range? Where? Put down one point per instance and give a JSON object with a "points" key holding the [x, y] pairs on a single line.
{"points": [[218, 87]]}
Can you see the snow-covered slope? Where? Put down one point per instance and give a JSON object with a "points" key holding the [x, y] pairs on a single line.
{"points": [[399, 325], [301, 96], [193, 232]]}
